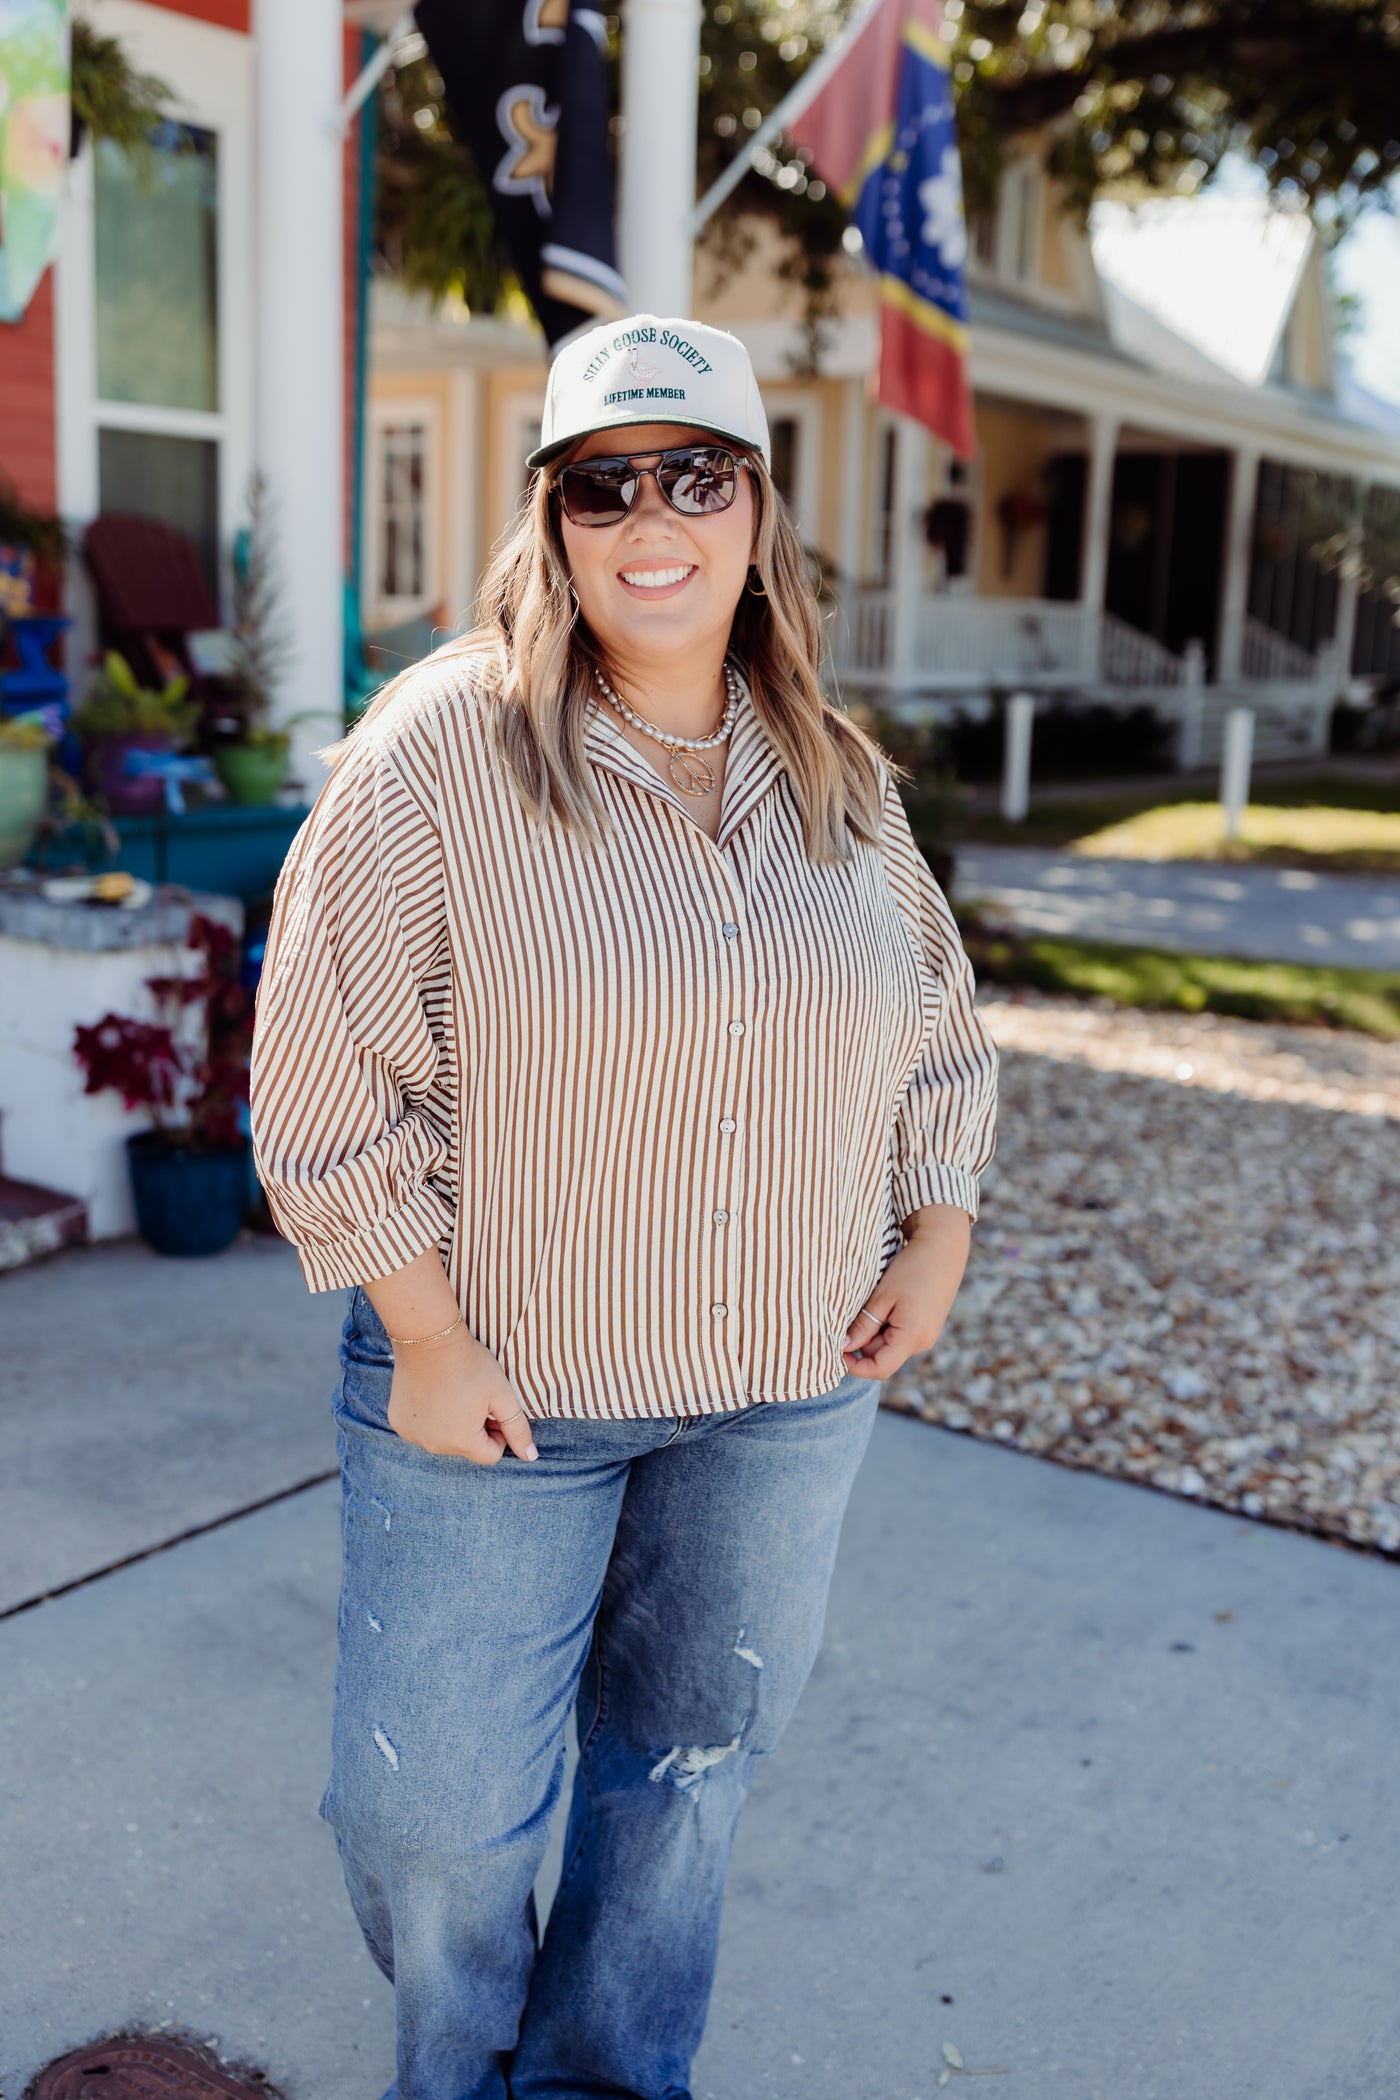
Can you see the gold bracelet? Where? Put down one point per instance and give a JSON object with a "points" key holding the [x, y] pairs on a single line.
{"points": [[407, 1341]]}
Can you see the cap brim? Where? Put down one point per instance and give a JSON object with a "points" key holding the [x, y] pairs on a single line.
{"points": [[543, 454]]}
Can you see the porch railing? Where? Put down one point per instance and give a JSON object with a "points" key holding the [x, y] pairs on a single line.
{"points": [[954, 640], [1266, 654], [1001, 638], [1130, 657]]}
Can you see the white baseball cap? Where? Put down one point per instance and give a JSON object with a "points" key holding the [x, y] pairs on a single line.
{"points": [[646, 370]]}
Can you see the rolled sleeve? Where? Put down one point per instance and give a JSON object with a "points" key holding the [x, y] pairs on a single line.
{"points": [[945, 1128], [350, 1136]]}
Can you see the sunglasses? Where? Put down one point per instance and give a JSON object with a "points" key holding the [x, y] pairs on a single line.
{"points": [[697, 480]]}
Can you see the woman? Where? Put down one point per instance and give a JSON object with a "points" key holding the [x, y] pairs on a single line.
{"points": [[616, 1049]]}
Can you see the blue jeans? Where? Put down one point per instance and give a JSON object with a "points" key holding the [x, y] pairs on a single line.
{"points": [[667, 1575]]}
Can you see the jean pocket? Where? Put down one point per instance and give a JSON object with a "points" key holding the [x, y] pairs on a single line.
{"points": [[366, 1366], [362, 1337]]}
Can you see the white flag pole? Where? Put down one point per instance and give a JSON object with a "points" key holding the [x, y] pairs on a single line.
{"points": [[792, 106]]}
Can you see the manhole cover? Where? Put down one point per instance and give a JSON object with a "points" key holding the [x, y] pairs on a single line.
{"points": [[140, 2068]]}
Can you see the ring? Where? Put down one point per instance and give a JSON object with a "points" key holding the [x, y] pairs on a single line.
{"points": [[864, 1315], [509, 1418]]}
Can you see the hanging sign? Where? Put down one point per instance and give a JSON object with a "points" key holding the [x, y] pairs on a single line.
{"points": [[34, 135]]}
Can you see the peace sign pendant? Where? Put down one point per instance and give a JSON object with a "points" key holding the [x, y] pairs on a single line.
{"points": [[691, 774]]}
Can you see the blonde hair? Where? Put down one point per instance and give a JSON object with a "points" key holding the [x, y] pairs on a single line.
{"points": [[534, 660]]}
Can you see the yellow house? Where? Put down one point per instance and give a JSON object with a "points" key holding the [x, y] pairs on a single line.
{"points": [[1153, 396]]}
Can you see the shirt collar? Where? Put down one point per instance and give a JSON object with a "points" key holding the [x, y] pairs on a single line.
{"points": [[751, 769]]}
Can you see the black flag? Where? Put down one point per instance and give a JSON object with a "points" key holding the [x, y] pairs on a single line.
{"points": [[527, 86]]}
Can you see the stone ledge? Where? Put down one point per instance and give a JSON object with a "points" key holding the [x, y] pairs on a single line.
{"points": [[25, 915]]}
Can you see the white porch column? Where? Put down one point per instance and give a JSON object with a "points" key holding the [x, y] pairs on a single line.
{"points": [[1098, 517], [911, 452], [660, 102], [1348, 591], [300, 355], [850, 552], [1239, 545]]}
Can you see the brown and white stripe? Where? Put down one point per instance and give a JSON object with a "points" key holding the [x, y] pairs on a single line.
{"points": [[660, 1103]]}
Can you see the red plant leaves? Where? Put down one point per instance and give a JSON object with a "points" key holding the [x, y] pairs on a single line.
{"points": [[146, 1065]]}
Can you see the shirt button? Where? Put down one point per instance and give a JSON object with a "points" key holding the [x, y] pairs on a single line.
{"points": [[729, 930], [736, 1028], [726, 1123], [719, 1311], [721, 1217]]}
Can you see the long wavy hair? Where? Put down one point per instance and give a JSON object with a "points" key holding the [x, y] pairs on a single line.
{"points": [[531, 660]]}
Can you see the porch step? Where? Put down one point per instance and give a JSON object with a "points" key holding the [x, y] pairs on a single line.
{"points": [[36, 1222]]}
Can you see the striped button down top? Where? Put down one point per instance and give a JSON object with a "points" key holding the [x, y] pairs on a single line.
{"points": [[661, 1104]]}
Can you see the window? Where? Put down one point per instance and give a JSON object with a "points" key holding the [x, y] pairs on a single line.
{"points": [[401, 514], [982, 225], [782, 442], [794, 455], [173, 478], [884, 555], [159, 421], [156, 235], [1021, 199]]}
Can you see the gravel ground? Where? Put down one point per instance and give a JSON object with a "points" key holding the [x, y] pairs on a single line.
{"points": [[1188, 1267]]}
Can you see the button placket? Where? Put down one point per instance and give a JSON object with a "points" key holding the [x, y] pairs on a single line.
{"points": [[732, 1063]]}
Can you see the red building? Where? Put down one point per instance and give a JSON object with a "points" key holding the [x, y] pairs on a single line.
{"points": [[194, 328]]}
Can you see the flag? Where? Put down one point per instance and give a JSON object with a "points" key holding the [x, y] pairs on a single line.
{"points": [[526, 84], [880, 133], [34, 138]]}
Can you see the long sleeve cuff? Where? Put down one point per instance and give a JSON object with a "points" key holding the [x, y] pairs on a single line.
{"points": [[916, 1186], [375, 1250]]}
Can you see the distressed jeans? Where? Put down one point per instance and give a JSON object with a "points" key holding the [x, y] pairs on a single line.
{"points": [[666, 1576]]}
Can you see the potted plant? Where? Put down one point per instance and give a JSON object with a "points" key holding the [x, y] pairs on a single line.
{"points": [[24, 756], [118, 715], [253, 764], [189, 1171]]}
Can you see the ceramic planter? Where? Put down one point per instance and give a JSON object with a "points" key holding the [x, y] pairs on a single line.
{"points": [[189, 1199], [252, 773], [23, 778]]}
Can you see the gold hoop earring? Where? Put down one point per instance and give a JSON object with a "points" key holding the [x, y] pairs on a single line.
{"points": [[759, 591]]}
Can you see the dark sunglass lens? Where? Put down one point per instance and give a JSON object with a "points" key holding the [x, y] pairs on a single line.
{"points": [[597, 495], [700, 480]]}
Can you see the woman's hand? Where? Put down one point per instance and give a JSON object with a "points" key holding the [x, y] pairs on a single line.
{"points": [[912, 1300], [452, 1397]]}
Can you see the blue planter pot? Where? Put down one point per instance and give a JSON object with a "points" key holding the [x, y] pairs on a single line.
{"points": [[189, 1199]]}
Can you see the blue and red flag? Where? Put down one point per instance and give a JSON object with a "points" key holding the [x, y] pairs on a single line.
{"points": [[880, 133]]}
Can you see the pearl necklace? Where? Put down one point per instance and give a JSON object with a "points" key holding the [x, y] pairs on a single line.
{"points": [[694, 776]]}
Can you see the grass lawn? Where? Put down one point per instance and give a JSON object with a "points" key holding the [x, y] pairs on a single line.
{"points": [[1146, 977], [1337, 826]]}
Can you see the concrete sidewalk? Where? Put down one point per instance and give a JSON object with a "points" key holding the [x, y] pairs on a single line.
{"points": [[1266, 914], [1089, 1782]]}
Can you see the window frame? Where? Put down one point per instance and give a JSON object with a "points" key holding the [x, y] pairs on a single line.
{"points": [[796, 405], [210, 70], [378, 610]]}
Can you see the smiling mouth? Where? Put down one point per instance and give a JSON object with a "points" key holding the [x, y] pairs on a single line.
{"points": [[658, 582]]}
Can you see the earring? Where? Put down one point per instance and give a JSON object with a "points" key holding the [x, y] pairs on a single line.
{"points": [[755, 590]]}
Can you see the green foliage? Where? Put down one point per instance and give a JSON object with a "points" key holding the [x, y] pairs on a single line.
{"points": [[1135, 94], [1054, 823], [1152, 95], [111, 100], [24, 733], [262, 648], [22, 527], [933, 800], [434, 225], [1368, 1000], [116, 704]]}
